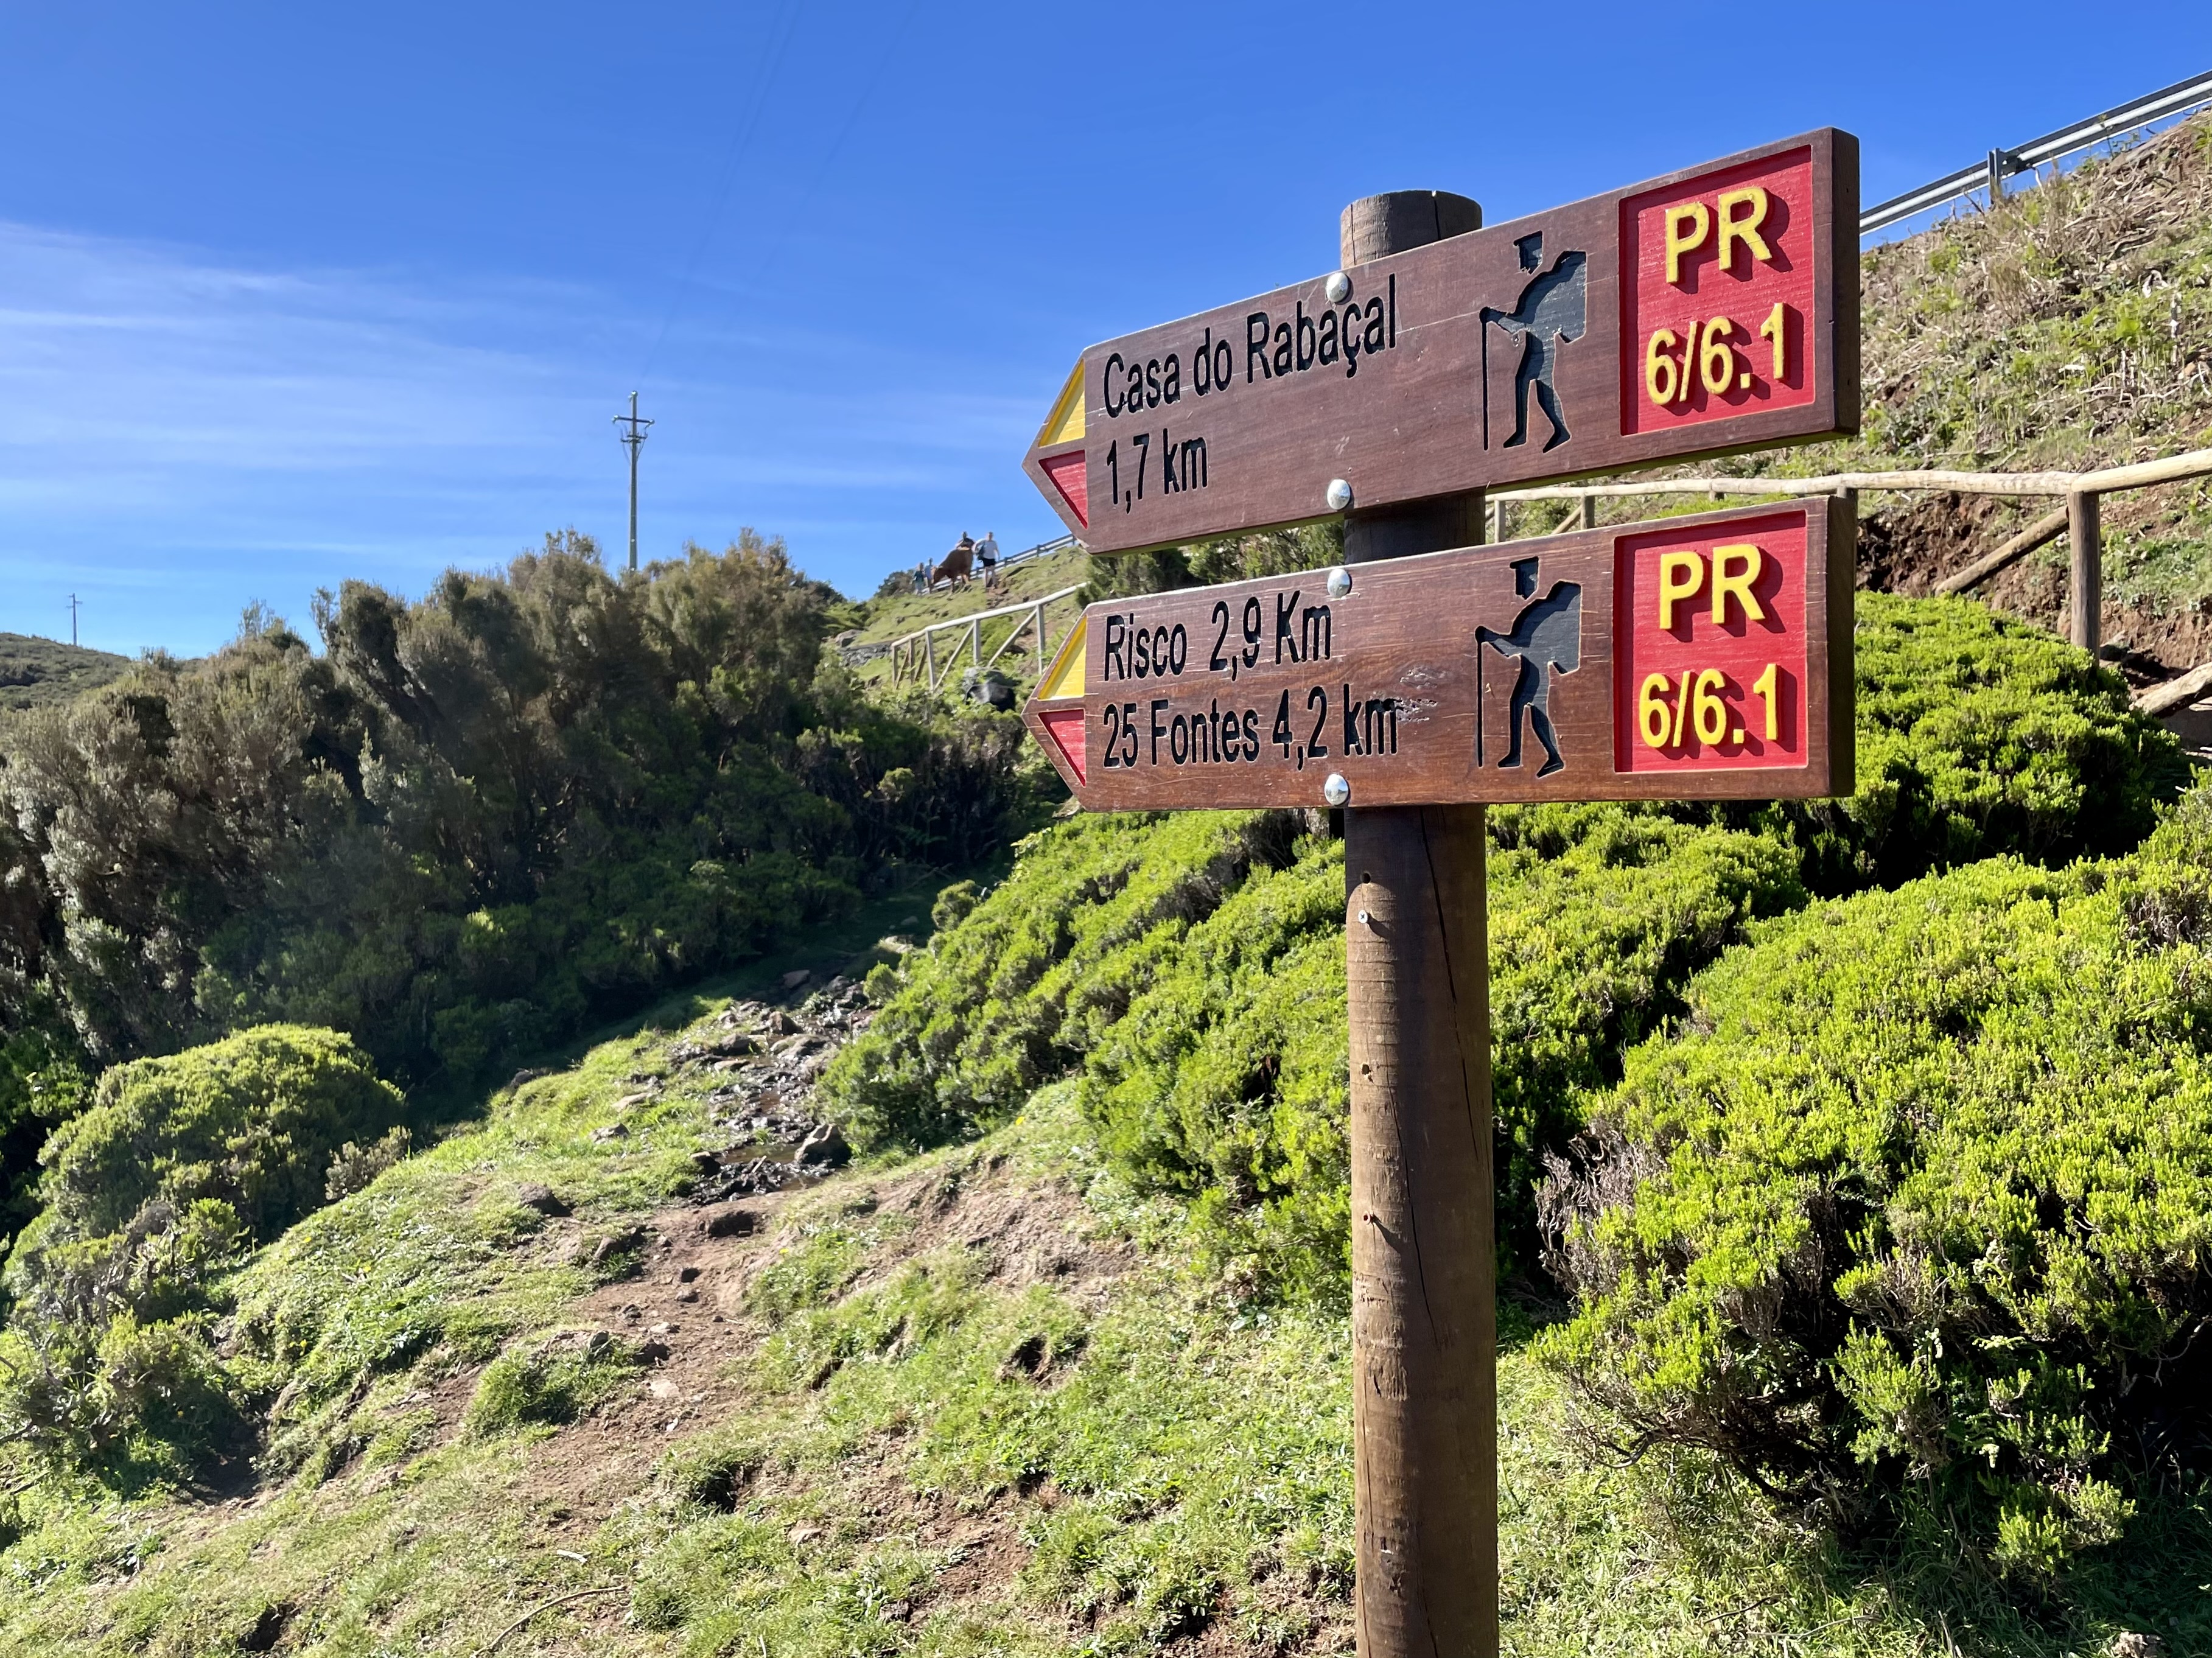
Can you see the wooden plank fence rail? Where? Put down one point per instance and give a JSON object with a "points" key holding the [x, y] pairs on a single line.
{"points": [[915, 654], [2079, 520]]}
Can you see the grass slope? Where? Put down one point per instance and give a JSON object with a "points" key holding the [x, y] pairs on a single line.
{"points": [[36, 672], [967, 1403], [894, 616]]}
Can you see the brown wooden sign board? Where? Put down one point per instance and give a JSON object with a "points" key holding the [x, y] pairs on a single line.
{"points": [[1706, 656], [1710, 311]]}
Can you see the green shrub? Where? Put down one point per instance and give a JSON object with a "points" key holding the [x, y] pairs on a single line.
{"points": [[1915, 1215], [1191, 967], [1013, 996], [178, 1167], [252, 1121], [1979, 736]]}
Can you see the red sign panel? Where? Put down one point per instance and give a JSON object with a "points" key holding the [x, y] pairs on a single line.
{"points": [[1717, 284], [1709, 630]]}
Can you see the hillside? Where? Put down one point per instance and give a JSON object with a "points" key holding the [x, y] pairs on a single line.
{"points": [[35, 672], [963, 1404], [621, 1365], [910, 1230]]}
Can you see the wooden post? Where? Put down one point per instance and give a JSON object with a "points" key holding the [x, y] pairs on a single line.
{"points": [[929, 650], [1590, 512], [1425, 1410], [2085, 589]]}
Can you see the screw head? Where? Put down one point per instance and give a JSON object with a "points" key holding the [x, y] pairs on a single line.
{"points": [[1362, 918], [1334, 789], [1338, 288], [1340, 495], [1340, 582]]}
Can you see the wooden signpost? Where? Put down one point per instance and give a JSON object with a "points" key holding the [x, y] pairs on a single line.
{"points": [[1697, 658]]}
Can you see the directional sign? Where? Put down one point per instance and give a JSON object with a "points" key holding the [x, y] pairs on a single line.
{"points": [[1704, 657], [1710, 311]]}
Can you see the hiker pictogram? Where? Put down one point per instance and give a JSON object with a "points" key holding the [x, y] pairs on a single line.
{"points": [[1548, 638], [1553, 311]]}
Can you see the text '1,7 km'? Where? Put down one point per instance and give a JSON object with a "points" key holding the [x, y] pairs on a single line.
{"points": [[1704, 657], [1711, 311]]}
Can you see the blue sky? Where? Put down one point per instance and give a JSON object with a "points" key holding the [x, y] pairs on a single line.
{"points": [[290, 294]]}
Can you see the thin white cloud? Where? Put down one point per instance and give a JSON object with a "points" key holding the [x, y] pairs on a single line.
{"points": [[178, 434]]}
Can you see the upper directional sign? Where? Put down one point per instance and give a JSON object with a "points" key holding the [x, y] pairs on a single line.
{"points": [[1710, 311]]}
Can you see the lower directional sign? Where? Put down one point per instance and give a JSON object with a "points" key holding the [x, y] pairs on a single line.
{"points": [[1704, 657]]}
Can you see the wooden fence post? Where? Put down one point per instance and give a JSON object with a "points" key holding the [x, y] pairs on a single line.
{"points": [[1424, 1411], [2085, 550]]}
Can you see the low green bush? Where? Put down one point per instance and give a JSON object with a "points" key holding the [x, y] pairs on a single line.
{"points": [[178, 1167], [1189, 966], [1979, 736], [1914, 1215], [1014, 993]]}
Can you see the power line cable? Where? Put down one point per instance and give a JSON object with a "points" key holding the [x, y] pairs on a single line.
{"points": [[765, 71]]}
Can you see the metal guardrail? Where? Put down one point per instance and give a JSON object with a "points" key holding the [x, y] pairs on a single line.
{"points": [[2002, 164], [916, 653]]}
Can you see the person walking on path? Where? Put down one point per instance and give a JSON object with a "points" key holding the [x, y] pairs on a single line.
{"points": [[987, 555]]}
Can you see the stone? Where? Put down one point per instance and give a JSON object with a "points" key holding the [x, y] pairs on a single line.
{"points": [[542, 1199], [706, 1162], [613, 1131], [687, 1274], [796, 977], [615, 1243], [653, 1352], [825, 1148], [663, 1328]]}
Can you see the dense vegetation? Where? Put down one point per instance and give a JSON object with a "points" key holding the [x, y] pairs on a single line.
{"points": [[469, 825], [1915, 1212], [1191, 967], [180, 1168], [1869, 1141]]}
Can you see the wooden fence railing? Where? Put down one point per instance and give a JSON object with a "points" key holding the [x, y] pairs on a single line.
{"points": [[2079, 520], [915, 654]]}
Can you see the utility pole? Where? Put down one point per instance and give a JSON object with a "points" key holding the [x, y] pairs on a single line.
{"points": [[633, 441], [72, 618]]}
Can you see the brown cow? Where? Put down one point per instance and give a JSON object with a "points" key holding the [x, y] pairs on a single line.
{"points": [[959, 564]]}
